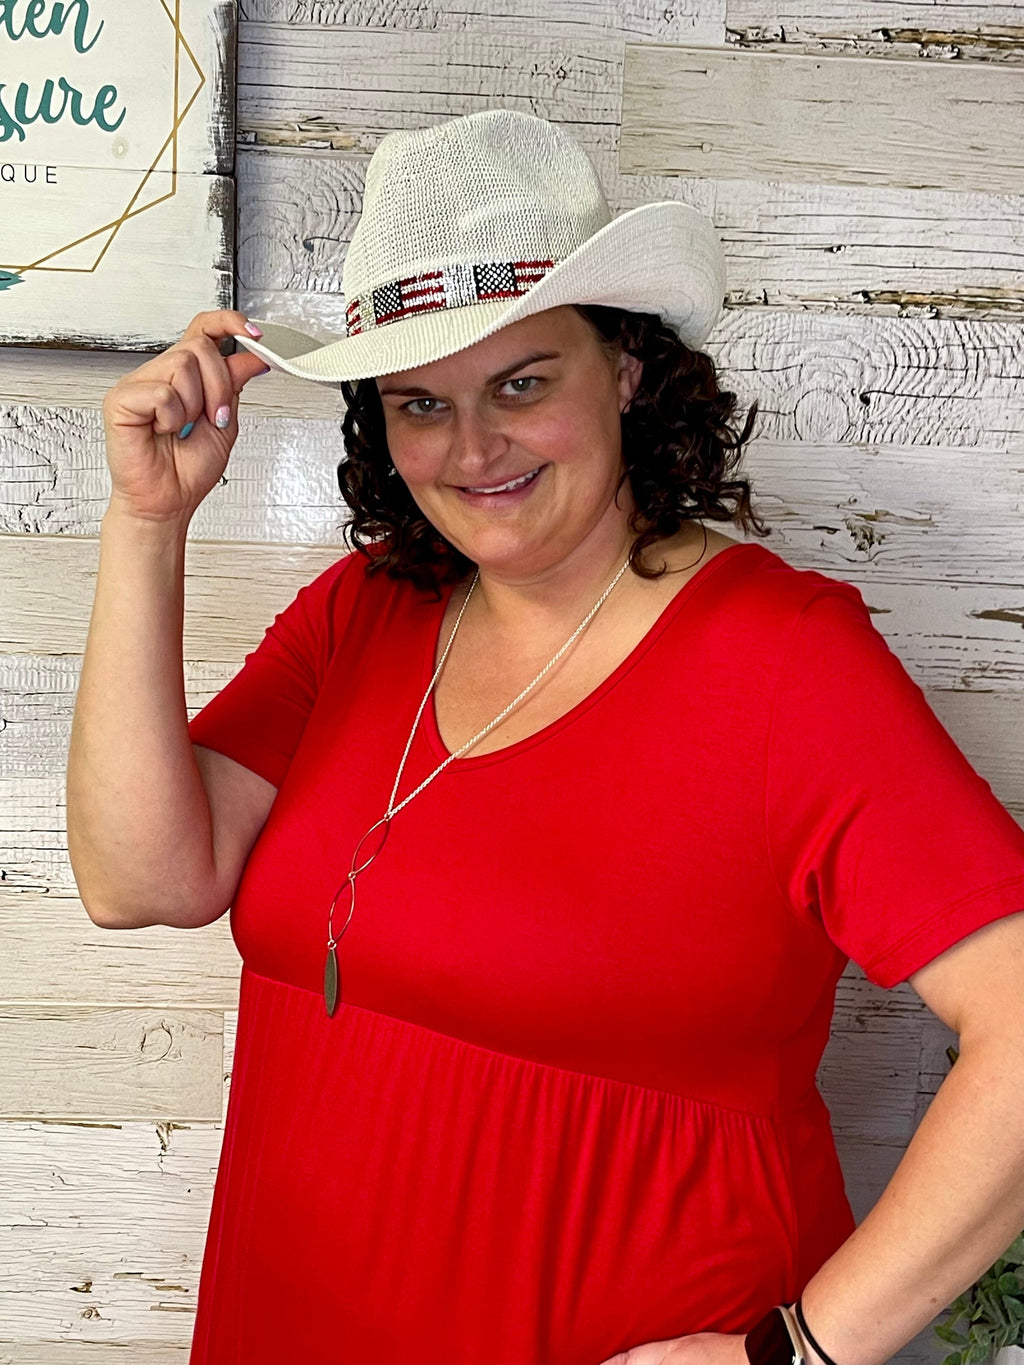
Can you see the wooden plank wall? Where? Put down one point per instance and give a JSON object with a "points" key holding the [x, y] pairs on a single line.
{"points": [[865, 175]]}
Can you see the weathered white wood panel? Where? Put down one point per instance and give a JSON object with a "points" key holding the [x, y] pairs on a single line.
{"points": [[939, 513], [873, 385], [869, 1072], [96, 1062], [280, 483], [906, 513], [881, 249], [941, 29], [124, 1209], [230, 1035], [124, 1206], [54, 953], [103, 1234], [547, 18], [226, 588], [826, 377], [300, 85], [822, 117], [86, 1353]]}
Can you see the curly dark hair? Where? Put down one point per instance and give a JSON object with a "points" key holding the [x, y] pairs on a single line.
{"points": [[677, 444]]}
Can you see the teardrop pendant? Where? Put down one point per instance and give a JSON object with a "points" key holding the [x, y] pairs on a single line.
{"points": [[331, 982]]}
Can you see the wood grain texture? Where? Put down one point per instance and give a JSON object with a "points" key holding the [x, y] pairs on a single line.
{"points": [[300, 85], [893, 514], [280, 483], [226, 588], [828, 377], [951, 633], [547, 18], [72, 1352], [100, 1062], [979, 705], [54, 953], [943, 30], [881, 249], [822, 117], [103, 1235]]}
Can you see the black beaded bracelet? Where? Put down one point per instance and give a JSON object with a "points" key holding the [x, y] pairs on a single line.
{"points": [[798, 1309]]}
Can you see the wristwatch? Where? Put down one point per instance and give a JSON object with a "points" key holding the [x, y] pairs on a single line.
{"points": [[775, 1339]]}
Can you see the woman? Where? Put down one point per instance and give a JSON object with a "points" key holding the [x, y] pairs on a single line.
{"points": [[617, 796]]}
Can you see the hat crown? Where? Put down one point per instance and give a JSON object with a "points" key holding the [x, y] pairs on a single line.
{"points": [[497, 185]]}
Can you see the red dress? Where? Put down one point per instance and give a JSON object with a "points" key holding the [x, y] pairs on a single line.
{"points": [[568, 1103]]}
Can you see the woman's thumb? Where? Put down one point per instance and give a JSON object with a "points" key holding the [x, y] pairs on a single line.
{"points": [[243, 366]]}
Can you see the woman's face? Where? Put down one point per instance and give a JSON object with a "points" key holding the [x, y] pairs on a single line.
{"points": [[512, 447]]}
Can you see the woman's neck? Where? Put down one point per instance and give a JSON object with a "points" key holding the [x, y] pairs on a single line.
{"points": [[551, 595]]}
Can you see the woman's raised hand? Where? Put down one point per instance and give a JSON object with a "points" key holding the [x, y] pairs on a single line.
{"points": [[157, 472]]}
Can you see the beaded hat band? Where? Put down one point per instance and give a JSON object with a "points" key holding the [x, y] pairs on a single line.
{"points": [[453, 286]]}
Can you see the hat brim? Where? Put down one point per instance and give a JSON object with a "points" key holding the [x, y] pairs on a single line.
{"points": [[663, 258]]}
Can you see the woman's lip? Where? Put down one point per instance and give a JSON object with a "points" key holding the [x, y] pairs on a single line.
{"points": [[486, 490]]}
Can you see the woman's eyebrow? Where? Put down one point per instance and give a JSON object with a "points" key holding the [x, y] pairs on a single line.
{"points": [[531, 359]]}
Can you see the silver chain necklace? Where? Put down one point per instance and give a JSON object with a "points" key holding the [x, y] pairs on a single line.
{"points": [[332, 971]]}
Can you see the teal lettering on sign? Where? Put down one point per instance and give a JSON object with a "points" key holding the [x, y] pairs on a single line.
{"points": [[20, 106], [13, 122], [38, 24]]}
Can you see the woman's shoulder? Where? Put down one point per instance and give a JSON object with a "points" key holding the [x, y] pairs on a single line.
{"points": [[755, 584]]}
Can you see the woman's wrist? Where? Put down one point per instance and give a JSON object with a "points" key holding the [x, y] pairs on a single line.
{"points": [[812, 1356]]}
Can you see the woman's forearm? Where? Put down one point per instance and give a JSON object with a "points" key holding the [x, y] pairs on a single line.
{"points": [[953, 1205], [139, 832]]}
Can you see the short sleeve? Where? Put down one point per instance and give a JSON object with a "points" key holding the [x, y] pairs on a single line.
{"points": [[877, 823], [258, 717]]}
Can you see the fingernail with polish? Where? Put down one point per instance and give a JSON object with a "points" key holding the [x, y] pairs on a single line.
{"points": [[222, 417], [185, 430], [253, 330]]}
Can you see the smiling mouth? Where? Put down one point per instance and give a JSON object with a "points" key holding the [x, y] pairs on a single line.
{"points": [[510, 486]]}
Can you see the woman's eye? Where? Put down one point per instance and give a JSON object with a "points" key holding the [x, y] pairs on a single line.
{"points": [[524, 379], [520, 379], [408, 407]]}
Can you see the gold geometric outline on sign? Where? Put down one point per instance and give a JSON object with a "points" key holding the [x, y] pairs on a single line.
{"points": [[115, 225]]}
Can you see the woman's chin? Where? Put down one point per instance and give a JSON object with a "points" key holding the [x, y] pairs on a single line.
{"points": [[501, 547]]}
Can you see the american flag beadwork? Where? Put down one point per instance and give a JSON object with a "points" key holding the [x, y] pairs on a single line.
{"points": [[453, 286]]}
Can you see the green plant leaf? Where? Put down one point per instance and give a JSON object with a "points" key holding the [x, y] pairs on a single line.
{"points": [[993, 1309], [947, 1333]]}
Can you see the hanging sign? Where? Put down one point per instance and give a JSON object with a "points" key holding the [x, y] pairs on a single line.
{"points": [[117, 135]]}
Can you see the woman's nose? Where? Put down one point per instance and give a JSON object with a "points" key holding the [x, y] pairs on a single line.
{"points": [[477, 441]]}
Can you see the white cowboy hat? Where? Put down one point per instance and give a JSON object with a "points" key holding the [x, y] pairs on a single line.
{"points": [[479, 221]]}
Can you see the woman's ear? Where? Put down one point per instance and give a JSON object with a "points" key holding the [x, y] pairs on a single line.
{"points": [[630, 370]]}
